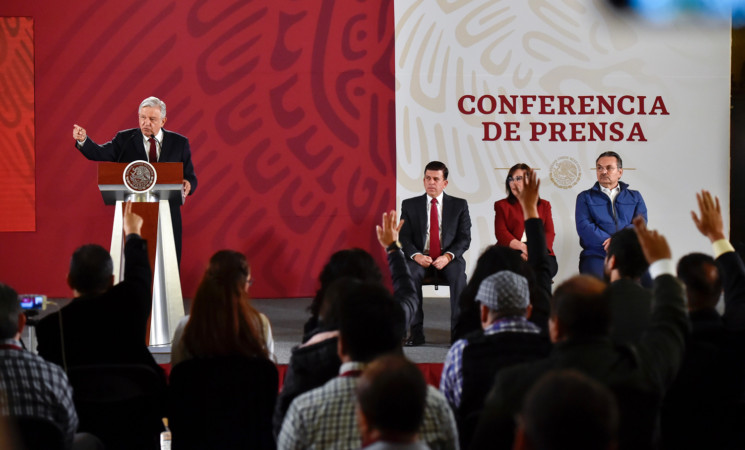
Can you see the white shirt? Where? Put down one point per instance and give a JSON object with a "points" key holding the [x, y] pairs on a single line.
{"points": [[158, 144], [611, 193]]}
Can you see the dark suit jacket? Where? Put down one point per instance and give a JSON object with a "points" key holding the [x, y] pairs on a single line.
{"points": [[705, 407], [107, 328], [456, 226], [127, 146]]}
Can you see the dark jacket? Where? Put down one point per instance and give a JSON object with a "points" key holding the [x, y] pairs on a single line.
{"points": [[631, 306], [705, 407], [108, 328]]}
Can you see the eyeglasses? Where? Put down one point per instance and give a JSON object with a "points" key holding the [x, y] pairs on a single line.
{"points": [[517, 178], [605, 169]]}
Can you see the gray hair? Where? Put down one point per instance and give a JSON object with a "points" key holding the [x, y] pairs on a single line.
{"points": [[154, 102]]}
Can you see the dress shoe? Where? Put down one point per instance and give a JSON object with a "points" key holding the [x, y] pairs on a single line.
{"points": [[414, 341]]}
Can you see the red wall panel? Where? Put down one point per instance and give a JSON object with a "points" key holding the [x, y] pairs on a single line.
{"points": [[288, 106]]}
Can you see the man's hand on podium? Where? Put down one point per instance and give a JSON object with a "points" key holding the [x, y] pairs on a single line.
{"points": [[185, 189], [132, 222]]}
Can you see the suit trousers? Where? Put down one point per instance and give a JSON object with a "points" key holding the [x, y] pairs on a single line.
{"points": [[455, 276]]}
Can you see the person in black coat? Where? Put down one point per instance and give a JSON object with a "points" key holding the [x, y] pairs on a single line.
{"points": [[150, 142]]}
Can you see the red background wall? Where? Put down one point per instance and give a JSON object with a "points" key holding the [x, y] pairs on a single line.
{"points": [[288, 106]]}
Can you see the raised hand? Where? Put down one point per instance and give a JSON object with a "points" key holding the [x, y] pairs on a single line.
{"points": [[388, 231], [132, 221], [710, 223], [654, 245], [78, 133], [528, 195]]}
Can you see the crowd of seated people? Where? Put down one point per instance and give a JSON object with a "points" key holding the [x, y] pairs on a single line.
{"points": [[590, 364]]}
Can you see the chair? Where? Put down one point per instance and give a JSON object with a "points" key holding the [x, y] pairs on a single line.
{"points": [[121, 404], [222, 402], [36, 433], [432, 278]]}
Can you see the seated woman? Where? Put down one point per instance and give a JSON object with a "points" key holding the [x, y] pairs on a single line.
{"points": [[509, 223], [222, 321]]}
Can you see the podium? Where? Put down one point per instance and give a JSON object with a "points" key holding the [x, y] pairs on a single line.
{"points": [[153, 206]]}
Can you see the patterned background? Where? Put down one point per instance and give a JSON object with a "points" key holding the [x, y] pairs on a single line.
{"points": [[288, 106], [17, 194], [445, 49]]}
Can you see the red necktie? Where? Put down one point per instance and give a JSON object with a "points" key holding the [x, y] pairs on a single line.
{"points": [[434, 231], [153, 153]]}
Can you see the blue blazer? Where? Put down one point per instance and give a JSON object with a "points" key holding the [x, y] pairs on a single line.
{"points": [[597, 219]]}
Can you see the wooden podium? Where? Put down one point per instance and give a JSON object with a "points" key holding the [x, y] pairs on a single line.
{"points": [[168, 305]]}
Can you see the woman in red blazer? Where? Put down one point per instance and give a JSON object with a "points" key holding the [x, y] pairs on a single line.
{"points": [[509, 223]]}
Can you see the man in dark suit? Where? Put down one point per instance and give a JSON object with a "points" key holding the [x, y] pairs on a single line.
{"points": [[435, 245], [103, 324], [150, 143]]}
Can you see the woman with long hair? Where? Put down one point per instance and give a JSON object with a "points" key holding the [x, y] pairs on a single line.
{"points": [[222, 321], [509, 223]]}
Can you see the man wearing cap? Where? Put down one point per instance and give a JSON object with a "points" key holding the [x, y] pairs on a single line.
{"points": [[507, 338]]}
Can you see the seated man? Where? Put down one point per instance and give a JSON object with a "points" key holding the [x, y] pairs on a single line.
{"points": [[30, 386], [391, 395], [436, 232], [369, 324], [602, 210], [508, 338], [103, 324], [705, 406]]}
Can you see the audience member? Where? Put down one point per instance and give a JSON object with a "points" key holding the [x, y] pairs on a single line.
{"points": [[369, 325], [508, 338], [391, 395], [29, 385], [103, 324], [222, 321], [509, 222], [705, 407], [630, 302], [567, 410], [638, 373], [316, 361]]}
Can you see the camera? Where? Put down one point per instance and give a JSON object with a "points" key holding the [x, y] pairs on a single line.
{"points": [[32, 301]]}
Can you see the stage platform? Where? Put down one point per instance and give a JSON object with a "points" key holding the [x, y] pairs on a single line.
{"points": [[287, 317]]}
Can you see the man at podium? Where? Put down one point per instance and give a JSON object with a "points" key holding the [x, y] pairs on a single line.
{"points": [[150, 142]]}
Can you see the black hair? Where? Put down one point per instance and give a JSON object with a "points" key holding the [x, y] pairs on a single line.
{"points": [[435, 166], [582, 307], [630, 260], [10, 308], [700, 273], [613, 154], [91, 268]]}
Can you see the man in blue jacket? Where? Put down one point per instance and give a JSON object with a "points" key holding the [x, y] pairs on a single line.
{"points": [[602, 210]]}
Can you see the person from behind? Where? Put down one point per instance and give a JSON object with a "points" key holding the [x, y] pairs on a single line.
{"points": [[630, 302], [29, 385], [222, 321], [316, 361], [509, 222], [705, 406], [117, 315], [637, 373], [567, 410], [369, 326], [391, 395]]}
